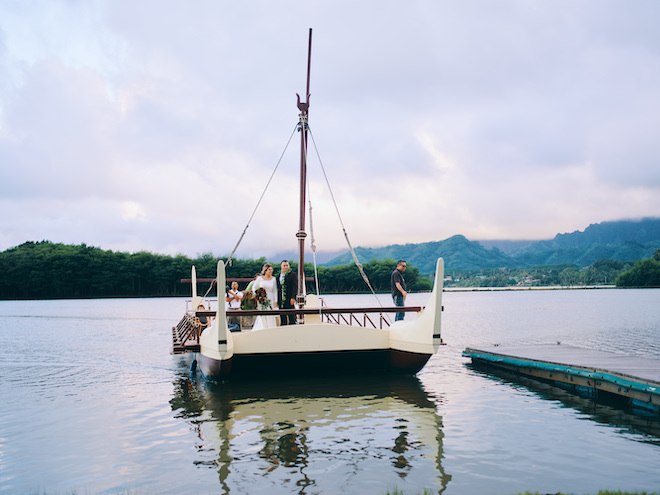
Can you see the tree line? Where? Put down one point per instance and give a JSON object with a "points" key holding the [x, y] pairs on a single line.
{"points": [[46, 270], [602, 272], [644, 273]]}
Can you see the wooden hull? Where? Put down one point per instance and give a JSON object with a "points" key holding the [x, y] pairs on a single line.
{"points": [[323, 363]]}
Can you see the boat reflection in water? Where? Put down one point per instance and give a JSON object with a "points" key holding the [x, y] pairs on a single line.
{"points": [[318, 436]]}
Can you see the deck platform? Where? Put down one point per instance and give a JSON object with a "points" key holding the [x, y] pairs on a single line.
{"points": [[585, 371]]}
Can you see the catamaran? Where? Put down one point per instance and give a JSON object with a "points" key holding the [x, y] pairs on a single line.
{"points": [[324, 340]]}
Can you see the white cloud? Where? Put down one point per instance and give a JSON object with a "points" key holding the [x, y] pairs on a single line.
{"points": [[132, 210], [155, 125]]}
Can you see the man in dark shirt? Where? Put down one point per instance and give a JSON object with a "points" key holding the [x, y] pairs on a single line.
{"points": [[287, 290], [399, 287]]}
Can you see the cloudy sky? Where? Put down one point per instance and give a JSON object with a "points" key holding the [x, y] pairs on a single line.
{"points": [[155, 125]]}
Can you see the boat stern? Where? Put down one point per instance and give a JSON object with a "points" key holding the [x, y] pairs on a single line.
{"points": [[422, 335]]}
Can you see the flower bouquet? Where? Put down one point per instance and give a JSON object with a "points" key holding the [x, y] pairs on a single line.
{"points": [[262, 298]]}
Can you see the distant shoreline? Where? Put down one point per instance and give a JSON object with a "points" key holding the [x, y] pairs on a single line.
{"points": [[445, 289], [536, 287]]}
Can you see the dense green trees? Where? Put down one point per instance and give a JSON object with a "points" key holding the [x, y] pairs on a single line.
{"points": [[45, 270], [644, 273], [602, 272]]}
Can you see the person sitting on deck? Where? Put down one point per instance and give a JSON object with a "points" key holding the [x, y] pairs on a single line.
{"points": [[203, 321]]}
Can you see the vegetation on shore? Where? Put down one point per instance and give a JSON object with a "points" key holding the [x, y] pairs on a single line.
{"points": [[602, 272], [45, 270], [641, 273], [644, 273]]}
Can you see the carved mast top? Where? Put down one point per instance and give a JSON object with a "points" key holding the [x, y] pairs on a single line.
{"points": [[303, 106]]}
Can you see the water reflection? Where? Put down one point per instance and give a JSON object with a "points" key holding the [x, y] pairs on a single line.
{"points": [[610, 412], [321, 435]]}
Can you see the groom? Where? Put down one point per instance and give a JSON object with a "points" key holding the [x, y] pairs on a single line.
{"points": [[287, 290]]}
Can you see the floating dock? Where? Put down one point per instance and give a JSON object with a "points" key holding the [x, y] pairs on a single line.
{"points": [[587, 372]]}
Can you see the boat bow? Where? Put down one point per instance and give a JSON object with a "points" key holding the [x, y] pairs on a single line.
{"points": [[217, 341]]}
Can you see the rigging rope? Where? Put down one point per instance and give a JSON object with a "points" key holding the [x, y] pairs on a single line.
{"points": [[262, 196], [350, 247], [209, 290], [313, 246]]}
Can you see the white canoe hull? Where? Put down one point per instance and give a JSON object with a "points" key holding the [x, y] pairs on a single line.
{"points": [[318, 348]]}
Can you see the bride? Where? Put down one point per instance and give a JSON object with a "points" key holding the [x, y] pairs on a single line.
{"points": [[267, 282]]}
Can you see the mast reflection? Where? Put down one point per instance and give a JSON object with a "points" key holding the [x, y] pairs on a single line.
{"points": [[323, 434]]}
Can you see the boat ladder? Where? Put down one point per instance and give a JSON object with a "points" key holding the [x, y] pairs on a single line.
{"points": [[185, 336]]}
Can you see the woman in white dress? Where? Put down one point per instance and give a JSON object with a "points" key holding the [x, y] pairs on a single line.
{"points": [[267, 282]]}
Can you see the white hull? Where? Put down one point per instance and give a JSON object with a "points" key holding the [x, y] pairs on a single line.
{"points": [[315, 347]]}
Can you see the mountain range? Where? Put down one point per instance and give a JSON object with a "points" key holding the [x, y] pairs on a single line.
{"points": [[623, 240]]}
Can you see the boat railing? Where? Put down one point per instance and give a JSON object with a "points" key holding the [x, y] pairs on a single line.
{"points": [[352, 319], [361, 317], [185, 336]]}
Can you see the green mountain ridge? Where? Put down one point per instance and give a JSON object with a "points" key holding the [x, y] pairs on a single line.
{"points": [[623, 240]]}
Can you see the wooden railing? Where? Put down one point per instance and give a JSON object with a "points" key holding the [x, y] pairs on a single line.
{"points": [[348, 316], [185, 336]]}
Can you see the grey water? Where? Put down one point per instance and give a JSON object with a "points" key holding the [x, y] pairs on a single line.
{"points": [[91, 401]]}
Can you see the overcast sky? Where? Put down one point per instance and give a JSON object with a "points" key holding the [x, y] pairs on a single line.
{"points": [[155, 125]]}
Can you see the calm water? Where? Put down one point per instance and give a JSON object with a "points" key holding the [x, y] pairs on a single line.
{"points": [[91, 401]]}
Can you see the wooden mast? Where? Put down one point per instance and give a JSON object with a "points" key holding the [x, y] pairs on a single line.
{"points": [[302, 128]]}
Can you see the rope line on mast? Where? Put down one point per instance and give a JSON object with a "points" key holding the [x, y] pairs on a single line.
{"points": [[350, 247], [313, 246], [262, 196]]}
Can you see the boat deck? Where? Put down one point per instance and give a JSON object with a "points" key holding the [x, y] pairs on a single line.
{"points": [[185, 336], [586, 371]]}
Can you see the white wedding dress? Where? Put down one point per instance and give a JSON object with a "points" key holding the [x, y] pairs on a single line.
{"points": [[271, 292]]}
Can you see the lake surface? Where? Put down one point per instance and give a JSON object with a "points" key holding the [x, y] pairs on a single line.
{"points": [[91, 401]]}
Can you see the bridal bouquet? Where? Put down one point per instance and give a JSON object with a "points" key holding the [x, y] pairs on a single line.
{"points": [[262, 298]]}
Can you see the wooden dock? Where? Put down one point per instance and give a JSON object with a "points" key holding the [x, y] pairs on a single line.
{"points": [[584, 371]]}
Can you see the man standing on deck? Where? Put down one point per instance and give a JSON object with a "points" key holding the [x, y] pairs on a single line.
{"points": [[234, 296], [287, 290], [399, 287]]}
